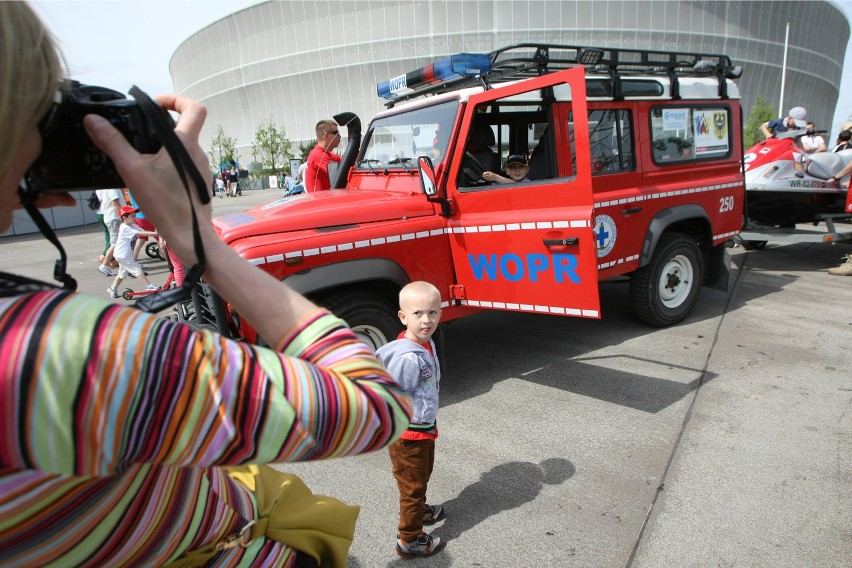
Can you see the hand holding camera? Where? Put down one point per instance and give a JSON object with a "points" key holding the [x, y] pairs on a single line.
{"points": [[162, 195], [69, 160]]}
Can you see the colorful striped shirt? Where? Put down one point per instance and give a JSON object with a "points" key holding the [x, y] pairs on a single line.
{"points": [[114, 423]]}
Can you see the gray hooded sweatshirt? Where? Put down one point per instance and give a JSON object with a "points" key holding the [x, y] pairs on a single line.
{"points": [[417, 371]]}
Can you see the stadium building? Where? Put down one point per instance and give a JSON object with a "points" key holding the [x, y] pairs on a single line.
{"points": [[295, 62], [299, 61]]}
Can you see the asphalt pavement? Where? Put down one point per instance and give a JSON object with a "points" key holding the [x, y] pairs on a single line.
{"points": [[724, 441]]}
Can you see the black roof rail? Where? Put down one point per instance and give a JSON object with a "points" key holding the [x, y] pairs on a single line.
{"points": [[524, 60]]}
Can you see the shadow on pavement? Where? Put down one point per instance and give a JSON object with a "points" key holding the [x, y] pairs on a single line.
{"points": [[504, 487]]}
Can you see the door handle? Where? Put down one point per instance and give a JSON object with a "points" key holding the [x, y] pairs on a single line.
{"points": [[561, 242], [631, 211]]}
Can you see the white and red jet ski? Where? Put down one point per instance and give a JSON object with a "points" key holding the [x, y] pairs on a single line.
{"points": [[785, 186]]}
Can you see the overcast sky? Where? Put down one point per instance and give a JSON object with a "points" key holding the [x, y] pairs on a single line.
{"points": [[119, 43]]}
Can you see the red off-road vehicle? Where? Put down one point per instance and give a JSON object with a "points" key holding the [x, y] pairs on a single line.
{"points": [[635, 170]]}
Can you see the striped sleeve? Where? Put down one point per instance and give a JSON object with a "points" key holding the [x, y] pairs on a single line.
{"points": [[91, 388]]}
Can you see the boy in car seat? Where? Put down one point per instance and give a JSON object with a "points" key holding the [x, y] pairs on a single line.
{"points": [[517, 168]]}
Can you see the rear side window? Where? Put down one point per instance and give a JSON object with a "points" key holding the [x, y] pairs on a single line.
{"points": [[610, 141], [689, 134]]}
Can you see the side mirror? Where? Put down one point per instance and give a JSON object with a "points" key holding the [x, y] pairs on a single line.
{"points": [[427, 176]]}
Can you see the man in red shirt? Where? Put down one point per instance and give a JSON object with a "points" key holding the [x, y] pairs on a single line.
{"points": [[316, 174]]}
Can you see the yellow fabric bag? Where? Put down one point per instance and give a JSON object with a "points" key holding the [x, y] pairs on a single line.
{"points": [[320, 526]]}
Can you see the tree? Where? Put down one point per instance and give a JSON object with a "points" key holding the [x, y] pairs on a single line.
{"points": [[305, 149], [271, 146], [222, 148], [760, 113]]}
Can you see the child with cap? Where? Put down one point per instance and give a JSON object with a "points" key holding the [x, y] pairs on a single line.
{"points": [[517, 168], [124, 251]]}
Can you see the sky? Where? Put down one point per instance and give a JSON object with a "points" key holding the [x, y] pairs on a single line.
{"points": [[119, 43]]}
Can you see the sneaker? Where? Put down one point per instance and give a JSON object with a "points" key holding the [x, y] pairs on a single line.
{"points": [[153, 287], [105, 270], [432, 514], [112, 292], [844, 269], [423, 545]]}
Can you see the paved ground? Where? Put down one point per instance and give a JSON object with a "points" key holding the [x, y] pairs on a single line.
{"points": [[725, 441]]}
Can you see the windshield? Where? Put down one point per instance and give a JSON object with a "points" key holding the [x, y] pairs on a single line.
{"points": [[397, 141]]}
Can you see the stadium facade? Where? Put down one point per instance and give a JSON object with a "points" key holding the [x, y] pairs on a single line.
{"points": [[298, 61]]}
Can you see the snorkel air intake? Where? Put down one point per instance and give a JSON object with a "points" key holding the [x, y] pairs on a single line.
{"points": [[353, 133]]}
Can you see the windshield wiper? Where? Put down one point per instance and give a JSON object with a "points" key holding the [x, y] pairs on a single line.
{"points": [[403, 161], [370, 164]]}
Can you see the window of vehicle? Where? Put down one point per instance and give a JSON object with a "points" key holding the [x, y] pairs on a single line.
{"points": [[610, 141], [396, 141], [502, 129], [629, 88], [684, 134]]}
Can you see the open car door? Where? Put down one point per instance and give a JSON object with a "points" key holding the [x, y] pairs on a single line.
{"points": [[528, 246]]}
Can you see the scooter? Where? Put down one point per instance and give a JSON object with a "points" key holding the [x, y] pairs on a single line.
{"points": [[130, 294]]}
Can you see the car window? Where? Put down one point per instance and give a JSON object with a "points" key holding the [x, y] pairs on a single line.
{"points": [[398, 140], [610, 141], [501, 130], [685, 134]]}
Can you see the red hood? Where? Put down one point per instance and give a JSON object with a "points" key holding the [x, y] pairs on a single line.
{"points": [[768, 151], [322, 209]]}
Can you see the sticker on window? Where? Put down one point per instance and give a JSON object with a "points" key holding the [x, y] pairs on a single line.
{"points": [[711, 131]]}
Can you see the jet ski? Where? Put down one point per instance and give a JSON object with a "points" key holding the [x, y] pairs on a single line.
{"points": [[785, 186]]}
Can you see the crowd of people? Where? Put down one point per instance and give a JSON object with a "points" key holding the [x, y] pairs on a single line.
{"points": [[227, 182]]}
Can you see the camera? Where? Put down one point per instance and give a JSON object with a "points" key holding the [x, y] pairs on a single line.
{"points": [[69, 160]]}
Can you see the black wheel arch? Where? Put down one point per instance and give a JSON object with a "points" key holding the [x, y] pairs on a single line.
{"points": [[380, 276], [691, 220]]}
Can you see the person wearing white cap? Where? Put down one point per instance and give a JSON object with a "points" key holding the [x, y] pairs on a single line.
{"points": [[796, 118]]}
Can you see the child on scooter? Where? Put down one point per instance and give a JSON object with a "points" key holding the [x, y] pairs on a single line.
{"points": [[124, 251]]}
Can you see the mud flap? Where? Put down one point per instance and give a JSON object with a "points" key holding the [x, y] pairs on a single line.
{"points": [[718, 268]]}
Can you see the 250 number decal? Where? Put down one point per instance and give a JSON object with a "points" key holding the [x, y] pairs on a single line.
{"points": [[726, 204]]}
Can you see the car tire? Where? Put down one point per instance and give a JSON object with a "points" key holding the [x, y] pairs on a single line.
{"points": [[373, 319], [664, 291]]}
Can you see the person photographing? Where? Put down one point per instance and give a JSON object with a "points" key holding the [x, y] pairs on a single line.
{"points": [[132, 440]]}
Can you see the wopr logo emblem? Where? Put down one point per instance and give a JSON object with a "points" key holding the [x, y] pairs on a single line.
{"points": [[605, 235]]}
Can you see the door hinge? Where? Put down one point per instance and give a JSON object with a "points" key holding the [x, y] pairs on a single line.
{"points": [[457, 292]]}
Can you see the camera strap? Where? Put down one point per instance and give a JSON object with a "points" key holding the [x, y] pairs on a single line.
{"points": [[161, 123], [60, 273]]}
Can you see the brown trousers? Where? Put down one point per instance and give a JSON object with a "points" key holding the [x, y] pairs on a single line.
{"points": [[412, 462]]}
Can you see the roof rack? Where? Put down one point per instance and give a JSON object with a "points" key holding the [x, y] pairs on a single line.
{"points": [[524, 60]]}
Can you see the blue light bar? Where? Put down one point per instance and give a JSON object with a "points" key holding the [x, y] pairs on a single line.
{"points": [[452, 67]]}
